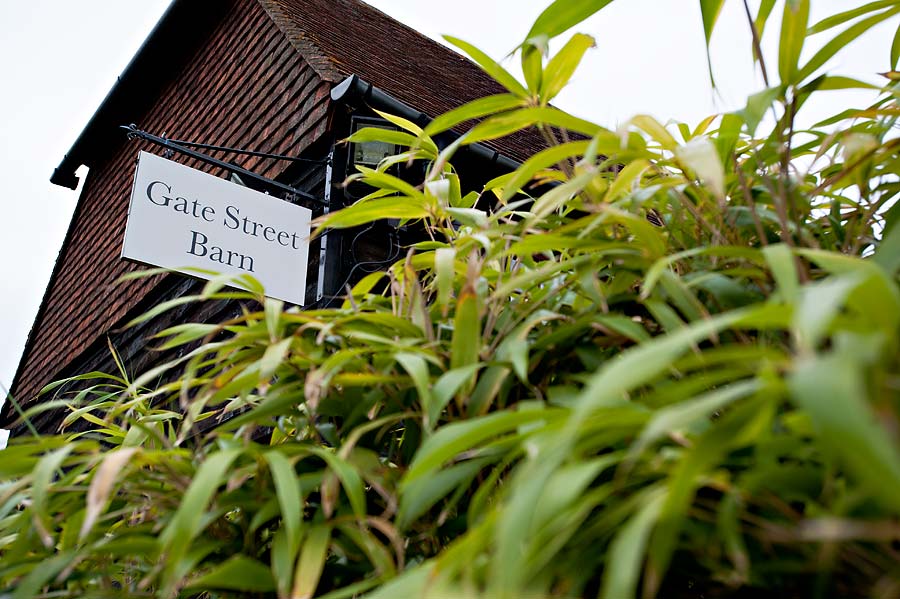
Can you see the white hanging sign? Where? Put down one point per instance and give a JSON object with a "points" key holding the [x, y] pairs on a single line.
{"points": [[181, 218]]}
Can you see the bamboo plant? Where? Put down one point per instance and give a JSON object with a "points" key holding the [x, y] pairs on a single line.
{"points": [[654, 361]]}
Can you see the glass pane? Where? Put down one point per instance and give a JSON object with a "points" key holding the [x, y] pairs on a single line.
{"points": [[371, 153]]}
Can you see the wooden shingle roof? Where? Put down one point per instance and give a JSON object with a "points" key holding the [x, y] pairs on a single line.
{"points": [[348, 37]]}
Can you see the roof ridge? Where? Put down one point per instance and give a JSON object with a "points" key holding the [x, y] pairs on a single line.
{"points": [[318, 60], [426, 38]]}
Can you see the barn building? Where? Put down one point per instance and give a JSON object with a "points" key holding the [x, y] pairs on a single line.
{"points": [[283, 81]]}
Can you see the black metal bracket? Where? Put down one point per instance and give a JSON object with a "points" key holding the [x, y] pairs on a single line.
{"points": [[193, 144], [182, 148]]}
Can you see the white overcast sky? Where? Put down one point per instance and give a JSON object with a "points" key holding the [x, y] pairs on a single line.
{"points": [[59, 58]]}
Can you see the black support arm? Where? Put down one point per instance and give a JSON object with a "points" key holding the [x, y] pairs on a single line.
{"points": [[135, 133]]}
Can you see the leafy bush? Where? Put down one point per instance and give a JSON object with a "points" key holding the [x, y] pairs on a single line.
{"points": [[659, 360]]}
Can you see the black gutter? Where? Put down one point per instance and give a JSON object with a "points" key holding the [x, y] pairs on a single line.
{"points": [[354, 90], [173, 38]]}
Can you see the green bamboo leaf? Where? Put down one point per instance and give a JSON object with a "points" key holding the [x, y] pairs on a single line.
{"points": [[636, 366], [439, 189], [276, 402], [282, 560], [515, 351], [386, 181], [728, 134], [238, 573], [533, 52], [552, 242], [783, 265], [162, 308], [501, 125], [447, 386], [525, 281], [380, 134], [30, 586], [18, 461], [273, 357], [681, 296], [793, 33], [647, 237], [349, 477], [486, 390], [895, 50], [401, 122], [466, 342], [213, 287], [566, 487], [665, 315], [562, 15], [757, 106], [558, 196], [729, 527], [626, 180], [470, 217], [467, 201], [819, 304], [178, 573], [562, 66], [626, 554], [475, 109], [420, 496], [847, 15], [678, 416], [623, 326], [387, 322], [841, 40], [836, 82], [544, 159], [515, 348], [455, 438], [703, 126], [42, 478], [700, 156], [361, 213], [872, 298], [491, 67], [887, 255], [741, 425], [289, 499], [187, 522], [415, 581], [515, 120], [444, 273], [101, 486], [546, 455], [375, 551], [416, 367], [183, 334], [762, 17], [656, 130], [606, 143], [709, 11], [129, 545], [541, 490], [367, 283], [832, 390], [312, 561]]}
